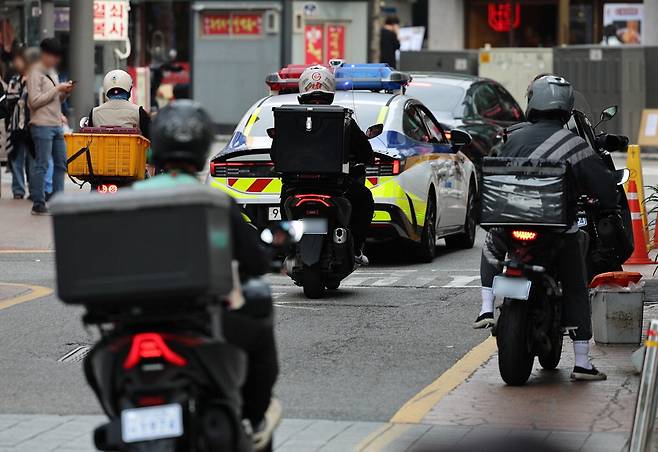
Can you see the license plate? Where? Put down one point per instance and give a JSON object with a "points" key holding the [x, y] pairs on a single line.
{"points": [[151, 423], [516, 288], [582, 221], [274, 213]]}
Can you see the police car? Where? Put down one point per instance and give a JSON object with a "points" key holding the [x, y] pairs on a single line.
{"points": [[424, 187]]}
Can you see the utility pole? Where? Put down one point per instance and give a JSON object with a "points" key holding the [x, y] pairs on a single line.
{"points": [[47, 19], [81, 53], [375, 13], [650, 23]]}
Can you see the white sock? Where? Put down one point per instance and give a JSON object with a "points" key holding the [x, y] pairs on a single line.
{"points": [[581, 351], [487, 300]]}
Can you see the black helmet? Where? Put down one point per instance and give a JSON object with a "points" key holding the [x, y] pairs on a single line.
{"points": [[181, 133], [550, 96]]}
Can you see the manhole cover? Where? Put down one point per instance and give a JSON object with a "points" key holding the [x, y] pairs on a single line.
{"points": [[75, 355]]}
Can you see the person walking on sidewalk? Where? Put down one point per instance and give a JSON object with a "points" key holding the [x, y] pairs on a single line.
{"points": [[21, 156], [45, 96]]}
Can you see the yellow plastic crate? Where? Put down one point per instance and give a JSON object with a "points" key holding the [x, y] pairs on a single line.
{"points": [[115, 155]]}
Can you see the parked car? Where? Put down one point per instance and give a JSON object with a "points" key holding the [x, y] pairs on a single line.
{"points": [[480, 106]]}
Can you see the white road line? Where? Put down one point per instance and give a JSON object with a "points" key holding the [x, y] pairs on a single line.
{"points": [[421, 281], [461, 281], [351, 282], [385, 282]]}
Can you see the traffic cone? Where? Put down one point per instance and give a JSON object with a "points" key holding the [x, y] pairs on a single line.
{"points": [[639, 256]]}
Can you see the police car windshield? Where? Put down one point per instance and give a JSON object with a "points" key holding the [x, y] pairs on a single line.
{"points": [[439, 98]]}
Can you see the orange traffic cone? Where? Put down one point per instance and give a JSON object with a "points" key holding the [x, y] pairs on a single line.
{"points": [[639, 256]]}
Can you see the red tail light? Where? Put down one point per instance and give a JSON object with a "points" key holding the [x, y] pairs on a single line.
{"points": [[524, 236], [107, 188], [513, 272], [385, 168], [149, 346], [303, 199]]}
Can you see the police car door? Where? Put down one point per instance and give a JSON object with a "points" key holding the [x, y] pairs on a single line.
{"points": [[452, 186]]}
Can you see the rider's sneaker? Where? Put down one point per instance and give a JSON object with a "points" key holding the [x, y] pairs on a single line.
{"points": [[582, 374], [262, 435], [484, 320], [362, 259]]}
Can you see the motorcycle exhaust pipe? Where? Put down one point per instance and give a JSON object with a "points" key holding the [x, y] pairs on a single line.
{"points": [[340, 236]]}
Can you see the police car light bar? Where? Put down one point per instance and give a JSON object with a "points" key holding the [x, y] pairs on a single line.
{"points": [[367, 77]]}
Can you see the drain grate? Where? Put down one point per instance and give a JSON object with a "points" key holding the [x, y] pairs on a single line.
{"points": [[76, 355]]}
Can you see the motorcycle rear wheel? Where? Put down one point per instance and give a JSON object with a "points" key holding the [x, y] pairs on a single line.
{"points": [[514, 359], [312, 282]]}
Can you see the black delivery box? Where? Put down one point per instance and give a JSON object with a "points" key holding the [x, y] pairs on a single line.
{"points": [[311, 139], [142, 246], [521, 191]]}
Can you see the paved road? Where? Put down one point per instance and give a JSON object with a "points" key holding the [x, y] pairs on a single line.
{"points": [[358, 354]]}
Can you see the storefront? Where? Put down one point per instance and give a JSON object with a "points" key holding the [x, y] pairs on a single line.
{"points": [[534, 23]]}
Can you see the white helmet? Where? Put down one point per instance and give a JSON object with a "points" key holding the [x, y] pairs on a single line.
{"points": [[317, 79], [117, 79]]}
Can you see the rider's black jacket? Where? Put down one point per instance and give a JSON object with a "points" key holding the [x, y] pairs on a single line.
{"points": [[360, 149], [548, 139], [247, 247]]}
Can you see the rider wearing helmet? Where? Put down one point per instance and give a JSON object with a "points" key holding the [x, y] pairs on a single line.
{"points": [[550, 104], [118, 110], [182, 135], [317, 85]]}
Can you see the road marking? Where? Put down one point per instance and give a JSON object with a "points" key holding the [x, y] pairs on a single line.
{"points": [[351, 282], [416, 408], [381, 437], [461, 281], [385, 282], [34, 293]]}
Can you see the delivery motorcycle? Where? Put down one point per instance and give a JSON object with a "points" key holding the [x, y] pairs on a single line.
{"points": [[310, 150], [161, 370], [108, 158]]}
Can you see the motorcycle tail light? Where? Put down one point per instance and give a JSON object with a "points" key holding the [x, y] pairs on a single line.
{"points": [[524, 236], [513, 272], [150, 346]]}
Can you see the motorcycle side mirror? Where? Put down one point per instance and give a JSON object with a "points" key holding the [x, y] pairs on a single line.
{"points": [[271, 132], [608, 113], [283, 233], [459, 138], [622, 176], [83, 121], [374, 131]]}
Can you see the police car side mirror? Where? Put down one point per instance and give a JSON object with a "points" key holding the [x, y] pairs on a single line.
{"points": [[459, 138], [374, 131], [83, 121], [271, 132]]}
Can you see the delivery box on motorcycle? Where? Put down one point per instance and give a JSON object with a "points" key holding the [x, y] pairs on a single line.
{"points": [[521, 191], [142, 246], [311, 139]]}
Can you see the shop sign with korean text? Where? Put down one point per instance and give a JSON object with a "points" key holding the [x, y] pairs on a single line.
{"points": [[111, 20], [231, 24]]}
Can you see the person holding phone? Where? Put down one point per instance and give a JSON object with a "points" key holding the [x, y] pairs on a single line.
{"points": [[45, 97]]}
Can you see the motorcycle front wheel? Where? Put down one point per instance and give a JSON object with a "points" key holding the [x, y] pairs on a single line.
{"points": [[514, 358]]}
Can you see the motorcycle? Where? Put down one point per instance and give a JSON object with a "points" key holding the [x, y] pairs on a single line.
{"points": [[104, 183], [325, 253], [161, 370], [530, 321]]}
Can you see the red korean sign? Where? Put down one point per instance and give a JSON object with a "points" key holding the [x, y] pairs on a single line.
{"points": [[314, 44], [111, 20], [241, 24], [335, 42], [504, 16]]}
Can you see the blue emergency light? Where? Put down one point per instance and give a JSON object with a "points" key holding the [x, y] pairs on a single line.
{"points": [[366, 77]]}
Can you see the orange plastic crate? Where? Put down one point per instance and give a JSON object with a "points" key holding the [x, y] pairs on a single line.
{"points": [[113, 155]]}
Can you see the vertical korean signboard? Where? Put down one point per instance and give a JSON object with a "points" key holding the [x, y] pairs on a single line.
{"points": [[335, 42], [111, 20], [314, 44]]}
